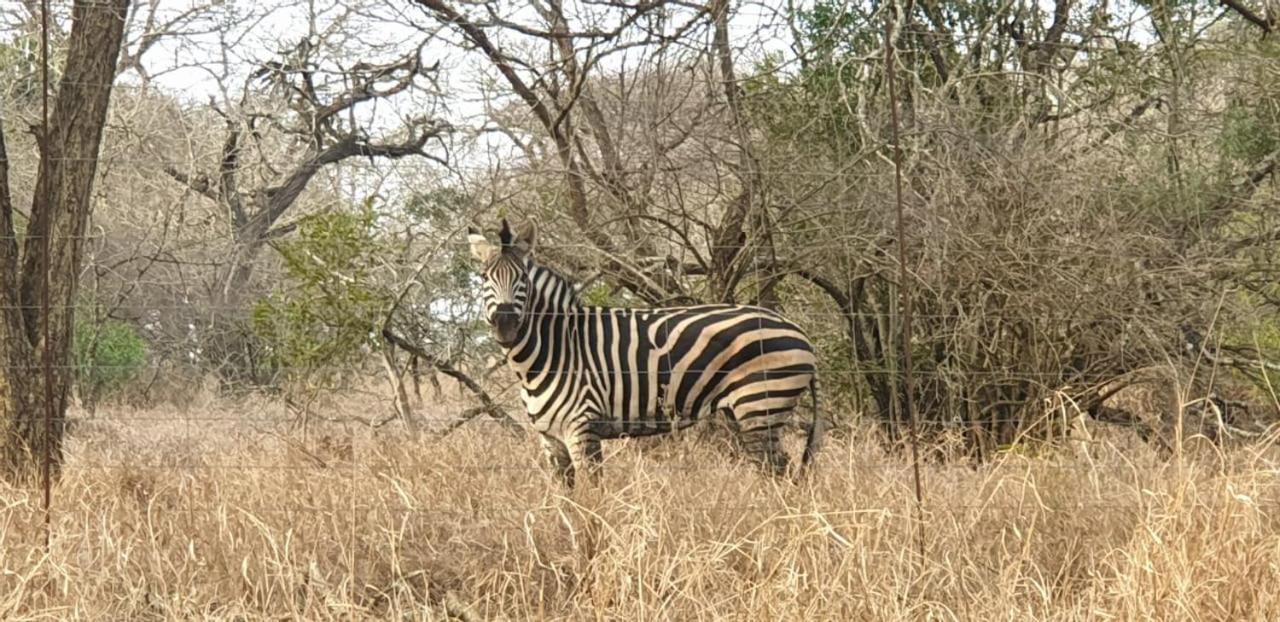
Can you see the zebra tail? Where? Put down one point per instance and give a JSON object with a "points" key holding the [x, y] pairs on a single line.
{"points": [[817, 429]]}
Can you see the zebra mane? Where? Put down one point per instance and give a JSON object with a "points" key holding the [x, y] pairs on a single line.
{"points": [[556, 291]]}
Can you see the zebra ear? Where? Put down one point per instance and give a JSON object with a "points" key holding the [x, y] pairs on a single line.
{"points": [[504, 234], [481, 248], [526, 237]]}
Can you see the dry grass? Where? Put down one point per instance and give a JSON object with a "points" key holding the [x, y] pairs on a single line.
{"points": [[193, 518]]}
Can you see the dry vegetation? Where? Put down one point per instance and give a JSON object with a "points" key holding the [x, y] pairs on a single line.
{"points": [[219, 512]]}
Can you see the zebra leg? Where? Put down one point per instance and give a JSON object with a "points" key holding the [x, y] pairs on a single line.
{"points": [[584, 447], [559, 458], [735, 431], [760, 432]]}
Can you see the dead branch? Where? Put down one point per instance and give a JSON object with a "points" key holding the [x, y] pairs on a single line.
{"points": [[1267, 24], [489, 405]]}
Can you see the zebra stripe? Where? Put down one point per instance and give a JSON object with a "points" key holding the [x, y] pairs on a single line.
{"points": [[592, 373]]}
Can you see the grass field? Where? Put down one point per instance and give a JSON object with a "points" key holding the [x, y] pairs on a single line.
{"points": [[213, 516]]}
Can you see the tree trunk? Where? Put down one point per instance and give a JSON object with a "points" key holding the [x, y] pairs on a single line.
{"points": [[743, 243], [233, 282], [59, 215]]}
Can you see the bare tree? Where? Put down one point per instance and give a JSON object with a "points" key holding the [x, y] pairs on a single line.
{"points": [[311, 112]]}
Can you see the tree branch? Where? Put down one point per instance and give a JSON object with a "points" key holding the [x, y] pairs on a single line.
{"points": [[930, 41], [1241, 190], [281, 197], [1116, 126], [1053, 37], [1266, 24], [153, 32], [410, 65], [449, 370], [199, 184], [228, 176], [481, 40]]}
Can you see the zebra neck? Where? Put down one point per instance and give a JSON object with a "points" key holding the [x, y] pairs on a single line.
{"points": [[552, 294]]}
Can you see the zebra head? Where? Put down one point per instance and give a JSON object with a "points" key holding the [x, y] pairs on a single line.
{"points": [[505, 270]]}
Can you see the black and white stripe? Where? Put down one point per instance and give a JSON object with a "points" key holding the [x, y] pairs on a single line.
{"points": [[592, 373]]}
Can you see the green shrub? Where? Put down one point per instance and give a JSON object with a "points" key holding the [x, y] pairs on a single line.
{"points": [[108, 356], [330, 307]]}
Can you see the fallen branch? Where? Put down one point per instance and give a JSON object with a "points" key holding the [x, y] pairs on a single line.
{"points": [[488, 405]]}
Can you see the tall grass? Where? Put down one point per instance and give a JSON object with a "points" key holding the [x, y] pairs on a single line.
{"points": [[163, 515]]}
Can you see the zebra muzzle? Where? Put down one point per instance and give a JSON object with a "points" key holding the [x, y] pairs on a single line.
{"points": [[506, 324]]}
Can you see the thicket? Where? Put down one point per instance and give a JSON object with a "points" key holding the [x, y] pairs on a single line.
{"points": [[1089, 195]]}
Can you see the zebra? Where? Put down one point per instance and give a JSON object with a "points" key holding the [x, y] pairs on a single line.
{"points": [[591, 373]]}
